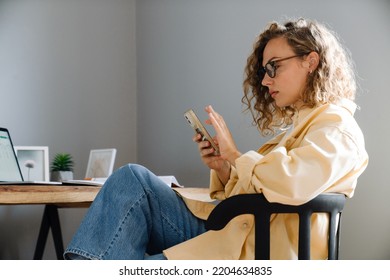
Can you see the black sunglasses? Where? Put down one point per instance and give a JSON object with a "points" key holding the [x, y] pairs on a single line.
{"points": [[270, 67]]}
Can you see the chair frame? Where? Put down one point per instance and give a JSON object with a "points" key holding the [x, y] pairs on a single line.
{"points": [[257, 204]]}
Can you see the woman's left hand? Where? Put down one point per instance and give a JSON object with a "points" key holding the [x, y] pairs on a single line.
{"points": [[226, 144]]}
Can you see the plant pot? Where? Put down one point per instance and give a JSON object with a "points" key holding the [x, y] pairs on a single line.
{"points": [[59, 176]]}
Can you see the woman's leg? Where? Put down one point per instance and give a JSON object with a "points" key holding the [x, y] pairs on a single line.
{"points": [[135, 213]]}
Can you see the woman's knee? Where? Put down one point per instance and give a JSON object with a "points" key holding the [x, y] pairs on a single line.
{"points": [[129, 170], [136, 177], [127, 175], [137, 168]]}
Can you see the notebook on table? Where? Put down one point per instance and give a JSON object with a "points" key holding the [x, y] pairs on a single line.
{"points": [[10, 172]]}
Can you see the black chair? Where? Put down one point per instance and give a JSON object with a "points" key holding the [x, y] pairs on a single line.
{"points": [[257, 205]]}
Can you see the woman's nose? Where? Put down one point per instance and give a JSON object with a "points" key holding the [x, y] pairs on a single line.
{"points": [[267, 80]]}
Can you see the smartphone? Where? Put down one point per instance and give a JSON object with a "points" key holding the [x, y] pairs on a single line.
{"points": [[196, 124]]}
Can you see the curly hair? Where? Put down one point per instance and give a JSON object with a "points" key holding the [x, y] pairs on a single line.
{"points": [[333, 79]]}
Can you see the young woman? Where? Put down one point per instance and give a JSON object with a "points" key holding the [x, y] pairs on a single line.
{"points": [[300, 80]]}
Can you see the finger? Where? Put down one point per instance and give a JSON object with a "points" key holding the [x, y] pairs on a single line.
{"points": [[197, 138], [207, 152], [216, 120], [203, 145]]}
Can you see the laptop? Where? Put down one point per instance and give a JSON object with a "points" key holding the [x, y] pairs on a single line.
{"points": [[10, 172]]}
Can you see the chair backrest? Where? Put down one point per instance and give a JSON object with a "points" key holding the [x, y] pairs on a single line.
{"points": [[262, 210]]}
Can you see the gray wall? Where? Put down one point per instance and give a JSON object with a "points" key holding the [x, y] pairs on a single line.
{"points": [[127, 70]]}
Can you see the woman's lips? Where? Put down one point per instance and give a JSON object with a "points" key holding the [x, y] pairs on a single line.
{"points": [[273, 93]]}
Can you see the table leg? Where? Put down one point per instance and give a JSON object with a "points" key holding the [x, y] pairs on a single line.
{"points": [[51, 220]]}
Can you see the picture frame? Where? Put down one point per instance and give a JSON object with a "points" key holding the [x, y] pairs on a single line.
{"points": [[100, 163], [33, 162]]}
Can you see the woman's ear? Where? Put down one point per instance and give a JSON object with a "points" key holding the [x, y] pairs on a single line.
{"points": [[311, 61]]}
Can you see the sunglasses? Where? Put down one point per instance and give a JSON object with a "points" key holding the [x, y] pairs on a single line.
{"points": [[270, 67]]}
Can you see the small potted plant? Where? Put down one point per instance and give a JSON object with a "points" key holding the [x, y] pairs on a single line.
{"points": [[62, 167]]}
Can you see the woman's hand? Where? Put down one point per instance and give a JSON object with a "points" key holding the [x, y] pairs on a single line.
{"points": [[222, 162], [227, 147], [208, 156]]}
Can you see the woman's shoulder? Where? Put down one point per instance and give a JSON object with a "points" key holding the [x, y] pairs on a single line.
{"points": [[339, 117], [340, 113], [329, 117]]}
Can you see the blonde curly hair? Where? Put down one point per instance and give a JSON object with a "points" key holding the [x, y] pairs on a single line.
{"points": [[333, 79]]}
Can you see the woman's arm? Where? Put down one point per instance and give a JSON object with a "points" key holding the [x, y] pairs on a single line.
{"points": [[325, 159]]}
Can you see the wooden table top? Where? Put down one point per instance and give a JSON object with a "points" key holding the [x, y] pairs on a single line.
{"points": [[48, 194], [71, 195]]}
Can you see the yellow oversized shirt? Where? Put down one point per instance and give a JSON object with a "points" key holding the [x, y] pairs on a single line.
{"points": [[324, 152]]}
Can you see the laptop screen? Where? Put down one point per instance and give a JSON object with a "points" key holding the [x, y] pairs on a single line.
{"points": [[9, 168]]}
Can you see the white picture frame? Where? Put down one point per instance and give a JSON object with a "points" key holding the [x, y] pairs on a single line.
{"points": [[100, 163], [33, 162]]}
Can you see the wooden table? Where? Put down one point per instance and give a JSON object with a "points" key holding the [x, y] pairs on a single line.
{"points": [[53, 197], [61, 196]]}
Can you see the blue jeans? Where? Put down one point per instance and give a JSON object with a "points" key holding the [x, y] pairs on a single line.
{"points": [[135, 216]]}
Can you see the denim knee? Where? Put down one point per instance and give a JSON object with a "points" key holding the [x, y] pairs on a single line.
{"points": [[137, 168]]}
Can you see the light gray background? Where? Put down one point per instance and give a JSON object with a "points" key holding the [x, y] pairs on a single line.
{"points": [[93, 74]]}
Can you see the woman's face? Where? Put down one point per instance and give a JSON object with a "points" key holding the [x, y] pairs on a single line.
{"points": [[287, 86]]}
